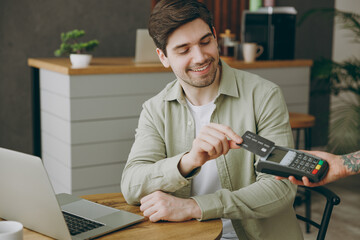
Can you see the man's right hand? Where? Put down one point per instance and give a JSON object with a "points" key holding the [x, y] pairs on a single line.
{"points": [[212, 141]]}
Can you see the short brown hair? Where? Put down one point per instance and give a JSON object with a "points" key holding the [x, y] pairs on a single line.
{"points": [[168, 15]]}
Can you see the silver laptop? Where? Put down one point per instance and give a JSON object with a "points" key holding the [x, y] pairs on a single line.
{"points": [[27, 196], [145, 49]]}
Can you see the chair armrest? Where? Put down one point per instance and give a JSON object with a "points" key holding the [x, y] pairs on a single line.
{"points": [[330, 195]]}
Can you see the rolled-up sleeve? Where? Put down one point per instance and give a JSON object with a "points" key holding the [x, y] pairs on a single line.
{"points": [[148, 168]]}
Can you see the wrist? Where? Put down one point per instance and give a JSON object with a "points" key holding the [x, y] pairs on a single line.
{"points": [[195, 211], [185, 167], [350, 163]]}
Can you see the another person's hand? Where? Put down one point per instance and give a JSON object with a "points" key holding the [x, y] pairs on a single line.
{"points": [[162, 206], [336, 170], [213, 141]]}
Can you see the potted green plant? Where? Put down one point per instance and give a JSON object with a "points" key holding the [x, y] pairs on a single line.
{"points": [[78, 51], [341, 77]]}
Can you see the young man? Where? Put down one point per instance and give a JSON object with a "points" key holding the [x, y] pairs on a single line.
{"points": [[185, 162]]}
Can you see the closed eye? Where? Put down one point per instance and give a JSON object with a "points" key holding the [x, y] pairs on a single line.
{"points": [[205, 42], [183, 51]]}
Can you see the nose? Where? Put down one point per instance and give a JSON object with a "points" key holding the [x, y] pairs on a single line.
{"points": [[198, 55]]}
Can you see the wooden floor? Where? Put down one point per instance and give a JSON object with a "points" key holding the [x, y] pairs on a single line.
{"points": [[345, 220]]}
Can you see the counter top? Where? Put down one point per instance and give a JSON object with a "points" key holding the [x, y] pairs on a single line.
{"points": [[112, 65]]}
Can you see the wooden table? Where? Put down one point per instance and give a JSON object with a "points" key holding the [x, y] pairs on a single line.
{"points": [[193, 229]]}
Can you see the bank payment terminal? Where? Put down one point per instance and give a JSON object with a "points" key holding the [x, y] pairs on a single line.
{"points": [[282, 161]]}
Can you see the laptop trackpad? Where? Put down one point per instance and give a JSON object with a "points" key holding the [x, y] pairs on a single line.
{"points": [[88, 209]]}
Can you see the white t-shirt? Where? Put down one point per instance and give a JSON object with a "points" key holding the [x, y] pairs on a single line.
{"points": [[207, 181]]}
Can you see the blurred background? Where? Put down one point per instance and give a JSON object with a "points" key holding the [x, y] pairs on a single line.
{"points": [[31, 29]]}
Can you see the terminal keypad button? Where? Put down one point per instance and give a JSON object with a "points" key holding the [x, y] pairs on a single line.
{"points": [[306, 163]]}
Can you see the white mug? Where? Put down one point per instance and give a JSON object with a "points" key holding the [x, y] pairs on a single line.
{"points": [[11, 230], [251, 51]]}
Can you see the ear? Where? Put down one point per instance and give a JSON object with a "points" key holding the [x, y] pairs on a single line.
{"points": [[164, 60]]}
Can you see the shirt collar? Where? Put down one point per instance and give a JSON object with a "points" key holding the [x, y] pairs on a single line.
{"points": [[228, 85], [175, 92]]}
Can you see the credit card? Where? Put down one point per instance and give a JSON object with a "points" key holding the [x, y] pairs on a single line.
{"points": [[256, 144]]}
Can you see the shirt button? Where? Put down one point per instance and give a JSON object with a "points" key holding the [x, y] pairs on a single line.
{"points": [[183, 183], [189, 123]]}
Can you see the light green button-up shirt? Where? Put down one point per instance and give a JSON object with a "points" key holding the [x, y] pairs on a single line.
{"points": [[259, 205]]}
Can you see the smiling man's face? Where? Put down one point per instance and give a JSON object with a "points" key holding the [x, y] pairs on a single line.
{"points": [[192, 53]]}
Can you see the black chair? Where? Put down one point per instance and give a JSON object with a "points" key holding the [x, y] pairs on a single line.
{"points": [[331, 200]]}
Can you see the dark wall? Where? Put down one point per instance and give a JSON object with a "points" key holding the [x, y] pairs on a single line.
{"points": [[314, 36], [314, 41], [31, 29]]}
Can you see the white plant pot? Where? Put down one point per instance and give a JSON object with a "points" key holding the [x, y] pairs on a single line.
{"points": [[80, 60]]}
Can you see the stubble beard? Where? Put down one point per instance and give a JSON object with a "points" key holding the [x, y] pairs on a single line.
{"points": [[204, 81]]}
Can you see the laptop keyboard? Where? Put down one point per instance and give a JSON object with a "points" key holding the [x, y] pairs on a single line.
{"points": [[78, 224]]}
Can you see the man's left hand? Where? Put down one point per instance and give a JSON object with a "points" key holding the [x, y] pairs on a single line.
{"points": [[162, 206]]}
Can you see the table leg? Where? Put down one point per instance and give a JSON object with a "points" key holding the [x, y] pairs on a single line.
{"points": [[297, 138]]}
